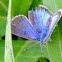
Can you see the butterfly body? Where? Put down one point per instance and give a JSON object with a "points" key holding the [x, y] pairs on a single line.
{"points": [[38, 27]]}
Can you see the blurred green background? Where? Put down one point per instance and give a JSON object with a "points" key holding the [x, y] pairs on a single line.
{"points": [[51, 53]]}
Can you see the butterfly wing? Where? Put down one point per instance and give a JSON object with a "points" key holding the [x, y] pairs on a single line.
{"points": [[21, 27], [43, 21], [39, 18], [52, 24]]}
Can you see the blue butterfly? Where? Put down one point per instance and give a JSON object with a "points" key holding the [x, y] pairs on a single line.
{"points": [[38, 27]]}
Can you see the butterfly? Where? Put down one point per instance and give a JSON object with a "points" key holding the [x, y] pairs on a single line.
{"points": [[38, 26]]}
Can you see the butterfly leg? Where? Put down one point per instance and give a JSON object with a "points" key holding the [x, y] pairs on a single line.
{"points": [[31, 46], [41, 48], [51, 40]]}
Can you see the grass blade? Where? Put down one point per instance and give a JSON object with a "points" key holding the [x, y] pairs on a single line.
{"points": [[8, 41]]}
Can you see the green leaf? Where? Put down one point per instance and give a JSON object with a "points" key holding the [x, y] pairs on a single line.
{"points": [[3, 7], [36, 4], [54, 48], [3, 14], [20, 7], [21, 53], [2, 26], [1, 50]]}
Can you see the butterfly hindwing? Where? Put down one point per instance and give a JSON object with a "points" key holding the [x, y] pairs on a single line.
{"points": [[21, 27], [52, 24]]}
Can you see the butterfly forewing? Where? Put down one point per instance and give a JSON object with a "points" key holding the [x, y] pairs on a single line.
{"points": [[21, 27]]}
